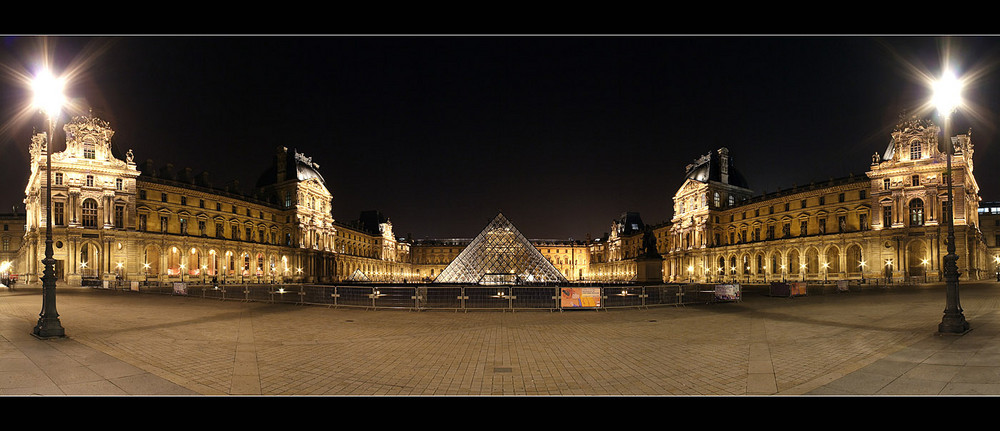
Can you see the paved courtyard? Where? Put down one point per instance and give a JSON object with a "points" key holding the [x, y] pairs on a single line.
{"points": [[855, 343]]}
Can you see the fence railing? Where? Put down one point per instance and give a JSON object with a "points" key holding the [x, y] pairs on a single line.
{"points": [[465, 297]]}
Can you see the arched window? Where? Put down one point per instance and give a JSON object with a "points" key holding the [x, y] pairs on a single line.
{"points": [[89, 213], [717, 200], [915, 150], [916, 212]]}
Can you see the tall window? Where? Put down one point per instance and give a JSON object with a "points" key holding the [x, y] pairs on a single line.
{"points": [[822, 225], [58, 213], [142, 194], [886, 183], [915, 180], [90, 181], [946, 212], [59, 178], [887, 216], [218, 230], [786, 230], [163, 224], [119, 216], [184, 226], [717, 200], [288, 199], [118, 183], [142, 222], [915, 150], [916, 212], [863, 221], [804, 227], [88, 149], [89, 213]]}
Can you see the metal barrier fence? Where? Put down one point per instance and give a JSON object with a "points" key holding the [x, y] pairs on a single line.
{"points": [[464, 297]]}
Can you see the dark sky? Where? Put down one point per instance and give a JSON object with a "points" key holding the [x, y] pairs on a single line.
{"points": [[561, 133]]}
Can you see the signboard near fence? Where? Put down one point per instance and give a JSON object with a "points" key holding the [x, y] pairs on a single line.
{"points": [[580, 297], [842, 285], [797, 288], [134, 286], [180, 288], [727, 292]]}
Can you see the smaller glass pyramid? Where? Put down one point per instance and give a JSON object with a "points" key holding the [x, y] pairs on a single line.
{"points": [[357, 275], [500, 255]]}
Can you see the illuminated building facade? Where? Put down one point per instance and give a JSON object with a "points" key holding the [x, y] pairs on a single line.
{"points": [[115, 219], [889, 223]]}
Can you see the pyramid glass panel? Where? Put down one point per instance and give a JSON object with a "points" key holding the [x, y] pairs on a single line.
{"points": [[500, 255]]}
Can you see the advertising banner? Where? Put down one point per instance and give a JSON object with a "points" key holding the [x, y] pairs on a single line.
{"points": [[727, 292], [580, 297], [180, 288]]}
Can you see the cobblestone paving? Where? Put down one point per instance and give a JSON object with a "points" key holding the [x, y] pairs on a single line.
{"points": [[761, 346]]}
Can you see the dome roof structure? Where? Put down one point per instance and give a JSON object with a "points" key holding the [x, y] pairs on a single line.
{"points": [[709, 168], [290, 162]]}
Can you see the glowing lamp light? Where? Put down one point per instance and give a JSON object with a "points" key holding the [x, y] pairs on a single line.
{"points": [[947, 93], [48, 93]]}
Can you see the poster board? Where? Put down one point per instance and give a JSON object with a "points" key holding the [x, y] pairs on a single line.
{"points": [[580, 297], [797, 288], [134, 286], [842, 286], [727, 292], [180, 288], [779, 289]]}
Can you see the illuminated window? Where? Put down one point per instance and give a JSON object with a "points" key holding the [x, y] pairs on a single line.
{"points": [[88, 149], [89, 213], [58, 211], [915, 150], [916, 212]]}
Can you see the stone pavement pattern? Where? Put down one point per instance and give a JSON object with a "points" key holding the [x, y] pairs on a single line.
{"points": [[874, 342]]}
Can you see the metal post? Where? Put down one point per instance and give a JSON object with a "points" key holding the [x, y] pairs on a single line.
{"points": [[48, 321], [953, 321]]}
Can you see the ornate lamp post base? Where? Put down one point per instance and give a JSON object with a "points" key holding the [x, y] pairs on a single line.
{"points": [[953, 325]]}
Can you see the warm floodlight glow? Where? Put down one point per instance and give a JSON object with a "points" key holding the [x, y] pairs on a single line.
{"points": [[947, 93], [48, 93]]}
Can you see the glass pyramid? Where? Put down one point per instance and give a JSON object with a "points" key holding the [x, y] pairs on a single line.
{"points": [[500, 255], [357, 275]]}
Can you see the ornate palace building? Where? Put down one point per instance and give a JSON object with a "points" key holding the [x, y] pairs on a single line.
{"points": [[115, 219]]}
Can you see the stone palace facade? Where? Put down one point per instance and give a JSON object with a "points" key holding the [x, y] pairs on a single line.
{"points": [[115, 219]]}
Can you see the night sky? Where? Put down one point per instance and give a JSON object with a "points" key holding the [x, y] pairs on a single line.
{"points": [[560, 133]]}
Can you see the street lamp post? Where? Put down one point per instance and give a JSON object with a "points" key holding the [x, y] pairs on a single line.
{"points": [[947, 97], [49, 98], [862, 265]]}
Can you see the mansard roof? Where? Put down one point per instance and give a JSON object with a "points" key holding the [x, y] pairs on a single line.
{"points": [[709, 168]]}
